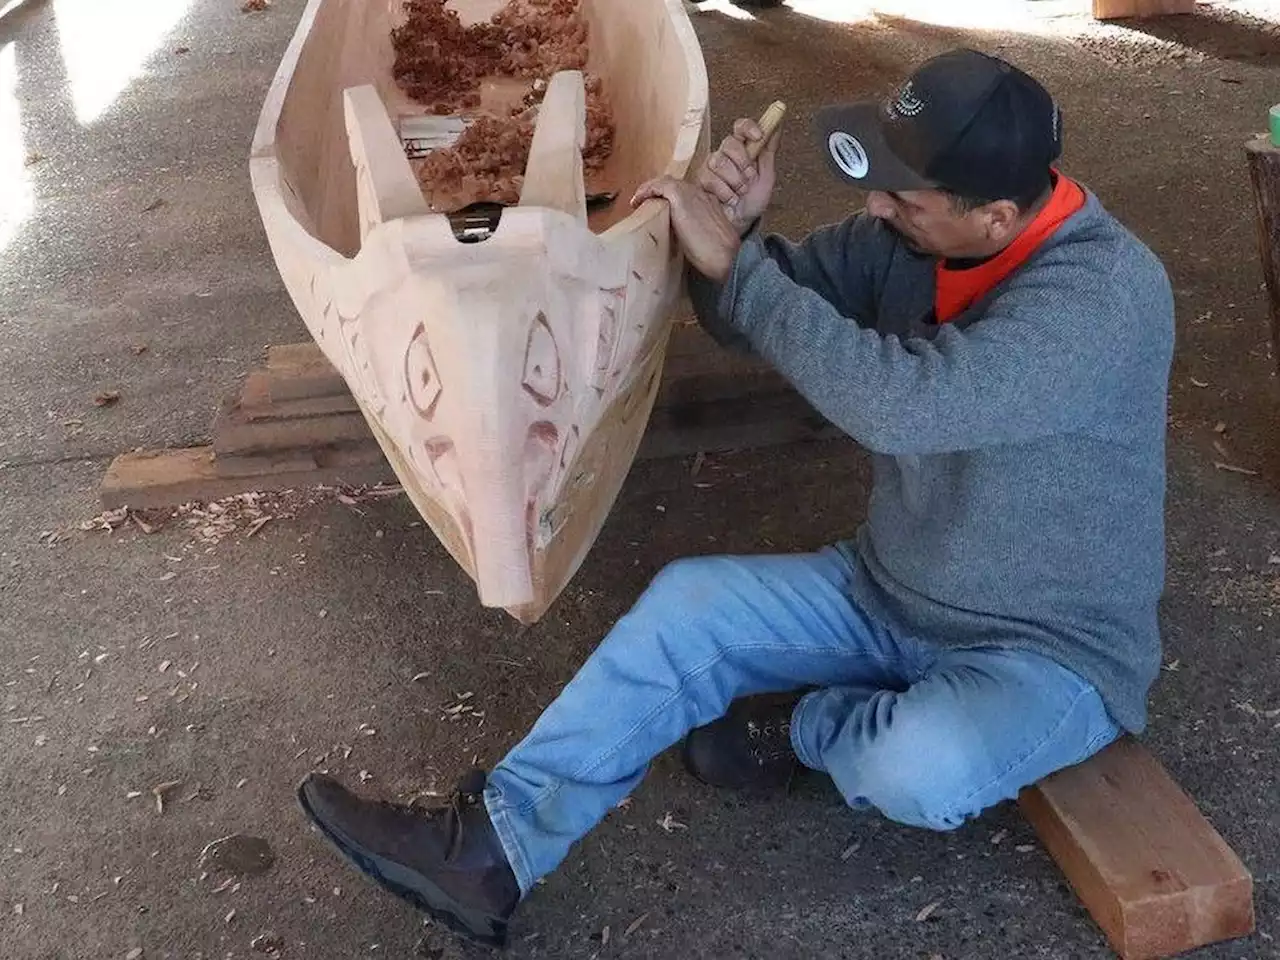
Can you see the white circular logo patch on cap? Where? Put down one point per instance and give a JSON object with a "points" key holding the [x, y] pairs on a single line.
{"points": [[848, 154]]}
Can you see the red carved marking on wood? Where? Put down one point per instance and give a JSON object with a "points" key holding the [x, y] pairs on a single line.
{"points": [[542, 379], [420, 375]]}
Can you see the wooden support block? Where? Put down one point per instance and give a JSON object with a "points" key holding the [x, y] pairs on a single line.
{"points": [[296, 424], [1264, 172], [169, 478], [299, 371], [261, 400], [238, 434], [1155, 875], [1137, 9]]}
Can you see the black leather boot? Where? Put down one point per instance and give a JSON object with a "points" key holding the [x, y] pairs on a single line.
{"points": [[749, 746], [445, 861]]}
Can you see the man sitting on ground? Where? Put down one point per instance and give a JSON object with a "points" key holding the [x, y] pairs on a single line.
{"points": [[1000, 345]]}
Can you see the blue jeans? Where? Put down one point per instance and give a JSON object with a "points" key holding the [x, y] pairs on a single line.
{"points": [[926, 735]]}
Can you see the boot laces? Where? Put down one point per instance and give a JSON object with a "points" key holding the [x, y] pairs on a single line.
{"points": [[769, 739]]}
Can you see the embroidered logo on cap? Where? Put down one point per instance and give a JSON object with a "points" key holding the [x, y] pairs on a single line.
{"points": [[906, 103], [848, 154]]}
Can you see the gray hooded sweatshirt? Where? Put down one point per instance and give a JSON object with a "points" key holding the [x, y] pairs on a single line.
{"points": [[1018, 452]]}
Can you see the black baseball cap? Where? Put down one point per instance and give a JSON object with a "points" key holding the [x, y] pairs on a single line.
{"points": [[965, 122]]}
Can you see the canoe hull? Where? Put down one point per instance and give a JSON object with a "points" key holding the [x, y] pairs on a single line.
{"points": [[509, 381]]}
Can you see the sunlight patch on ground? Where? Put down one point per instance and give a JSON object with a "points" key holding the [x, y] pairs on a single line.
{"points": [[17, 199], [1016, 16], [724, 7], [105, 46], [1032, 17]]}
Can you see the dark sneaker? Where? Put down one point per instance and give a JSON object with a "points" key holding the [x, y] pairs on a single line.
{"points": [[445, 861], [749, 746]]}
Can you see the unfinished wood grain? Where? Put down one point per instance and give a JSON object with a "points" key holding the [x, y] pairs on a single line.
{"points": [[508, 381], [270, 396], [1264, 174], [386, 188], [236, 434], [553, 175], [1122, 9], [1155, 875], [298, 372]]}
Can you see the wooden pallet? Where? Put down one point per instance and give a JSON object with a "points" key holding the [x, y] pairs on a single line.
{"points": [[1153, 872], [295, 424]]}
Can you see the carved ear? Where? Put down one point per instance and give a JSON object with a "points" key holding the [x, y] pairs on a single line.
{"points": [[386, 188], [553, 173]]}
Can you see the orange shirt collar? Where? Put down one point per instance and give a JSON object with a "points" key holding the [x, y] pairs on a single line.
{"points": [[957, 290]]}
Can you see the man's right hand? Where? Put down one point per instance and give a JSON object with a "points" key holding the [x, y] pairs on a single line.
{"points": [[743, 186]]}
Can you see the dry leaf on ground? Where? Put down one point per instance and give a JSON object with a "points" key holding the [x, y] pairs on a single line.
{"points": [[927, 911]]}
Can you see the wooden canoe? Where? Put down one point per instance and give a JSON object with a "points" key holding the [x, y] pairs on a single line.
{"points": [[509, 380]]}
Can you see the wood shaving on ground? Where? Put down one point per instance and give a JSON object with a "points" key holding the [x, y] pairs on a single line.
{"points": [[106, 398], [160, 790], [669, 823], [635, 925], [928, 911], [1232, 468], [245, 514]]}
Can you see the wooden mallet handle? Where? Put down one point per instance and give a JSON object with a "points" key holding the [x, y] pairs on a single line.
{"points": [[769, 122]]}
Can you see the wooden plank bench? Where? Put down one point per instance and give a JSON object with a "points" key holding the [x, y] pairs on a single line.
{"points": [[1154, 873], [295, 424]]}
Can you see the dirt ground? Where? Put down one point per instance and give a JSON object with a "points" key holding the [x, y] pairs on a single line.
{"points": [[229, 664]]}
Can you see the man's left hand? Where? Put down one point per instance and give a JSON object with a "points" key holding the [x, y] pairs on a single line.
{"points": [[709, 240]]}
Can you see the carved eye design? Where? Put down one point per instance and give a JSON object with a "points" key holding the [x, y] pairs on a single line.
{"points": [[541, 363], [421, 379]]}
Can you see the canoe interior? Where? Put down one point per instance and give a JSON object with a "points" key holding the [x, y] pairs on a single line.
{"points": [[349, 44]]}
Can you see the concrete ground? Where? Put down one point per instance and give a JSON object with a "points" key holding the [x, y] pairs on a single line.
{"points": [[232, 663]]}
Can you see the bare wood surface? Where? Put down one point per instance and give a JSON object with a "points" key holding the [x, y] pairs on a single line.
{"points": [[1154, 873], [1121, 9], [553, 173], [386, 188], [267, 395], [1264, 173]]}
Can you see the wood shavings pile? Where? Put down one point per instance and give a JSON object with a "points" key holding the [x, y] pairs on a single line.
{"points": [[212, 521], [440, 62], [488, 159]]}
